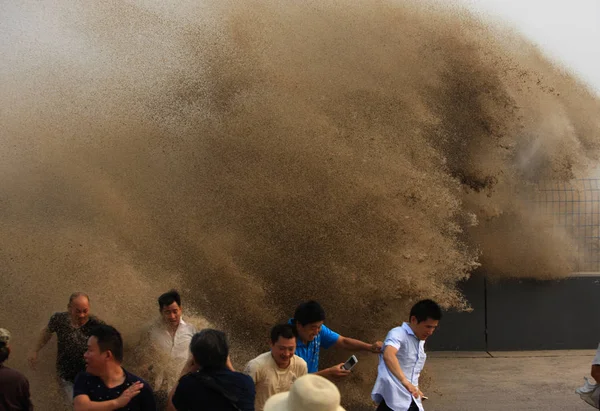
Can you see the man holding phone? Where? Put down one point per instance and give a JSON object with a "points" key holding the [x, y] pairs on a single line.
{"points": [[403, 358], [313, 334]]}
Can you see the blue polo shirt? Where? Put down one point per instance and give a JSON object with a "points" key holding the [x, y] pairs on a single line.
{"points": [[310, 352]]}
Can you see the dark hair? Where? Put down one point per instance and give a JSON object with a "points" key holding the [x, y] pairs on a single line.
{"points": [[425, 309], [282, 330], [77, 295], [210, 349], [309, 312], [4, 352], [169, 298], [109, 339]]}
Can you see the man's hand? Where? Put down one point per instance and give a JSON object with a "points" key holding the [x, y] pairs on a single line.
{"points": [[336, 372], [414, 391], [33, 359], [128, 394], [421, 395], [376, 347]]}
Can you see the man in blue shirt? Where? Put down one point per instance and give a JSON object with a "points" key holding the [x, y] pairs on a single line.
{"points": [[313, 334], [403, 358]]}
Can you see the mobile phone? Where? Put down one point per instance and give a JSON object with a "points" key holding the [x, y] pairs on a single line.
{"points": [[348, 365]]}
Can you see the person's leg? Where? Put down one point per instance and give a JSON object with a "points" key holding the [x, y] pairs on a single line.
{"points": [[383, 406]]}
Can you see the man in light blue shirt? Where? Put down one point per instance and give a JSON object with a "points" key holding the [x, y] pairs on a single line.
{"points": [[312, 335], [403, 358]]}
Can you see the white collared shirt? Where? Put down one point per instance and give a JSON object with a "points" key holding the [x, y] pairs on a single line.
{"points": [[411, 356], [176, 348]]}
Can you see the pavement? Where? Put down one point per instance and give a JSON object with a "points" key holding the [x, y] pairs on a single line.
{"points": [[524, 380]]}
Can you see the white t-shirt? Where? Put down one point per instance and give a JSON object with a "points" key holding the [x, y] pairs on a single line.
{"points": [[269, 379], [173, 351]]}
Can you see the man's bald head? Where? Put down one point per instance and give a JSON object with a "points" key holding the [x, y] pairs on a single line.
{"points": [[79, 308], [78, 295]]}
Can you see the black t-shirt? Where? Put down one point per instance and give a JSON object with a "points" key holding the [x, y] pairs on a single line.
{"points": [[72, 344], [193, 393], [14, 391], [96, 390]]}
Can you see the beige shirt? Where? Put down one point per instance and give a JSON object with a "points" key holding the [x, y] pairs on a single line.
{"points": [[270, 379]]}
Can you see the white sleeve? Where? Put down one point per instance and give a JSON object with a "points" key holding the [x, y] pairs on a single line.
{"points": [[395, 338]]}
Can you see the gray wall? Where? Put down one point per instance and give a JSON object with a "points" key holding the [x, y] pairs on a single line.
{"points": [[524, 315]]}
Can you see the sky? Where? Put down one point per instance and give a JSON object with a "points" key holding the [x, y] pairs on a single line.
{"points": [[568, 31]]}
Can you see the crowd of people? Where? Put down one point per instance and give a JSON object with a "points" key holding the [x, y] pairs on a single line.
{"points": [[189, 370]]}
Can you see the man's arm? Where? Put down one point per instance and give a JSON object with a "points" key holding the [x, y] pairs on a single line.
{"points": [[334, 373], [43, 339], [596, 373], [251, 369], [146, 353], [351, 344], [392, 364], [170, 406], [82, 402]]}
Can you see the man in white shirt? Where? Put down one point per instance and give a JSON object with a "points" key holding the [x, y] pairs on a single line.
{"points": [[275, 371], [167, 345], [403, 358]]}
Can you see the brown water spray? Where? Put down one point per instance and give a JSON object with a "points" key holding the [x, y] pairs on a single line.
{"points": [[256, 154]]}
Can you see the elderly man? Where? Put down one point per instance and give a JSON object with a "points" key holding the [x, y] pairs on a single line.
{"points": [[166, 345], [14, 387], [312, 334], [403, 358], [72, 330], [105, 385], [275, 371]]}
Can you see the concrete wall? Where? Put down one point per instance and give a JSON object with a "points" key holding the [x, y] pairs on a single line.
{"points": [[524, 315]]}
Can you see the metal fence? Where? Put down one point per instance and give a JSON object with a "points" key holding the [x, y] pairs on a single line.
{"points": [[575, 208]]}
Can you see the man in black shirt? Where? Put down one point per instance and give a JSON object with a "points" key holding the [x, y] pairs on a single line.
{"points": [[209, 382], [72, 330], [106, 385]]}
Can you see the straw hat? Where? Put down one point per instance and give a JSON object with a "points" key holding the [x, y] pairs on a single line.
{"points": [[309, 393]]}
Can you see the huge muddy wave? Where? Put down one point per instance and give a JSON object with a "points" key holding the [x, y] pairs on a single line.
{"points": [[256, 154]]}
